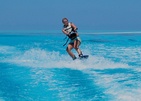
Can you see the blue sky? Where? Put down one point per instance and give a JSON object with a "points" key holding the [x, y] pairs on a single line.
{"points": [[86, 14]]}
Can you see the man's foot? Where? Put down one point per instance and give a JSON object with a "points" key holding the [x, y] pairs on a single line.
{"points": [[74, 58], [80, 55]]}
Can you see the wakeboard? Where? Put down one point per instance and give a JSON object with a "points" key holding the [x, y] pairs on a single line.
{"points": [[84, 57]]}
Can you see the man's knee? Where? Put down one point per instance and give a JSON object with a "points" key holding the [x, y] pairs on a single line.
{"points": [[76, 48]]}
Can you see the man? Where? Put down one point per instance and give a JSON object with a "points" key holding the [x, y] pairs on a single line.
{"points": [[70, 30]]}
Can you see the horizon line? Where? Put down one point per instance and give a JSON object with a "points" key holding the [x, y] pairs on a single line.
{"points": [[80, 31]]}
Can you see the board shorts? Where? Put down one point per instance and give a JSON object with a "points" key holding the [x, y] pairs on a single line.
{"points": [[72, 41]]}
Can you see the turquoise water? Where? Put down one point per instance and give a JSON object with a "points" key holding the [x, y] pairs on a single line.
{"points": [[36, 67]]}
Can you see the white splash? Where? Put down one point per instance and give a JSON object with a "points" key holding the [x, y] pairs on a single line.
{"points": [[119, 91], [44, 59]]}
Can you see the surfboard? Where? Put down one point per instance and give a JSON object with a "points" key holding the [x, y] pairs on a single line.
{"points": [[84, 57]]}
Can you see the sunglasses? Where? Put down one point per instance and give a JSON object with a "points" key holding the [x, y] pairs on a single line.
{"points": [[65, 21]]}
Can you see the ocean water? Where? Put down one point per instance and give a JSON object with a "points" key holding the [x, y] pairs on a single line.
{"points": [[36, 67]]}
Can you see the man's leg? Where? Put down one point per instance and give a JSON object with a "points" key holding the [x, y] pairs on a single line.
{"points": [[76, 46], [69, 48]]}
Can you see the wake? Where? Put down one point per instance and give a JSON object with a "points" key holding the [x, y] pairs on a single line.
{"points": [[39, 58]]}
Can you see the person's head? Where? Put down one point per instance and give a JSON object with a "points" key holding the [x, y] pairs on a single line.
{"points": [[65, 21]]}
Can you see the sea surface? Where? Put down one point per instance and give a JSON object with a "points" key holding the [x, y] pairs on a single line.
{"points": [[36, 67]]}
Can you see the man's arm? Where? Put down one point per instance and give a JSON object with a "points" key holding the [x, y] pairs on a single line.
{"points": [[65, 32], [74, 27]]}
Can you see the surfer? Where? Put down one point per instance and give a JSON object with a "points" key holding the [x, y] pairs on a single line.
{"points": [[70, 30]]}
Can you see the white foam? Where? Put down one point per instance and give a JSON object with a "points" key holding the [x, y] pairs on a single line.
{"points": [[44, 59], [137, 69], [119, 91], [7, 49], [127, 55], [38, 58]]}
